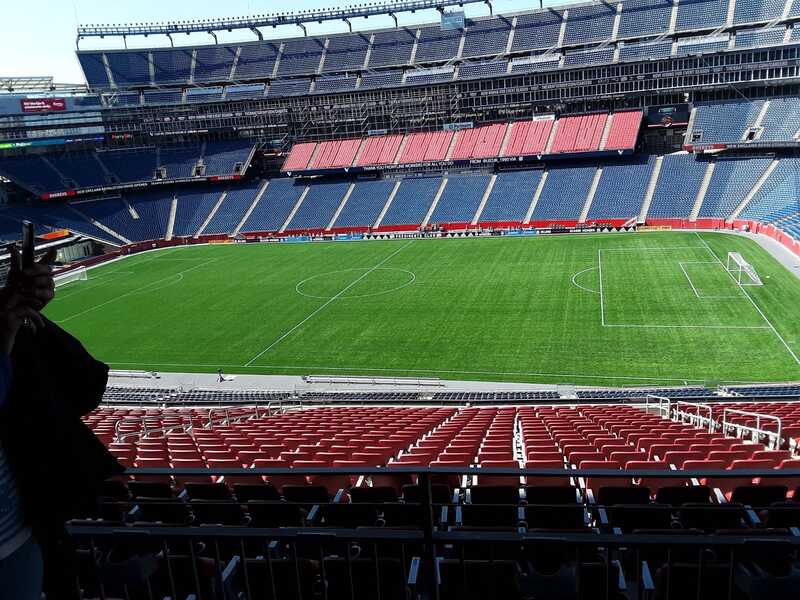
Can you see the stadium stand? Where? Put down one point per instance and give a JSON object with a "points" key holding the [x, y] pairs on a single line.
{"points": [[479, 142], [644, 17], [318, 206], [192, 208], [460, 199], [700, 14], [379, 150], [529, 138], [365, 203], [579, 134], [412, 200], [777, 198], [564, 193], [511, 197], [590, 23], [237, 200], [486, 37], [730, 183], [678, 185], [724, 122], [392, 48], [346, 52], [426, 147], [274, 205], [435, 44], [621, 190]]}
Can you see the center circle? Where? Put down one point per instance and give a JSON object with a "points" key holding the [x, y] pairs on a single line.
{"points": [[381, 280]]}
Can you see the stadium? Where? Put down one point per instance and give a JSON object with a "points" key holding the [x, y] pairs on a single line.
{"points": [[476, 306]]}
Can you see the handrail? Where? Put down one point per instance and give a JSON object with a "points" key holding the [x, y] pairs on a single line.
{"points": [[695, 419], [145, 431], [757, 431], [662, 411]]}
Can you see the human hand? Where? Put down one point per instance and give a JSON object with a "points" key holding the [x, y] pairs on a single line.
{"points": [[35, 283], [16, 312]]}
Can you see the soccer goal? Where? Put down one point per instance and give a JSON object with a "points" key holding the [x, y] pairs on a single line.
{"points": [[743, 272], [79, 274]]}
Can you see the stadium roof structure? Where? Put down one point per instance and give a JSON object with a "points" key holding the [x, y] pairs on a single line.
{"points": [[36, 84], [253, 22]]}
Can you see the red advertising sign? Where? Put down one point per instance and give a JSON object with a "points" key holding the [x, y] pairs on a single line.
{"points": [[38, 105]]}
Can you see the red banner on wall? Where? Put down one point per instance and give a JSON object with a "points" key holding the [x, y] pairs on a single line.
{"points": [[38, 105]]}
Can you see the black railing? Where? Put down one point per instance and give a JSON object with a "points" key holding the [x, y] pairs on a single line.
{"points": [[438, 553]]}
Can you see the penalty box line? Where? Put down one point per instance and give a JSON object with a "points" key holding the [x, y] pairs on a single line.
{"points": [[643, 326], [691, 284], [326, 304], [753, 302]]}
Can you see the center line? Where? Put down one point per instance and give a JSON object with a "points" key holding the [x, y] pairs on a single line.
{"points": [[325, 305]]}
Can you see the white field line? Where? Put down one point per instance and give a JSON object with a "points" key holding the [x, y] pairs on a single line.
{"points": [[600, 277], [636, 326], [637, 248], [747, 295], [213, 369], [578, 285], [326, 304], [689, 279], [136, 291]]}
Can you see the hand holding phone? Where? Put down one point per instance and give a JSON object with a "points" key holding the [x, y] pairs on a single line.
{"points": [[27, 245]]}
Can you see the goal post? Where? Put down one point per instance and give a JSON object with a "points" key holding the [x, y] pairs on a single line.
{"points": [[79, 274], [742, 271]]}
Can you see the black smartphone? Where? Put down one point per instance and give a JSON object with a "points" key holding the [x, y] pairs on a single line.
{"points": [[27, 244]]}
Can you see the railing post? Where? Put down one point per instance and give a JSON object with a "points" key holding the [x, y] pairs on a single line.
{"points": [[424, 480]]}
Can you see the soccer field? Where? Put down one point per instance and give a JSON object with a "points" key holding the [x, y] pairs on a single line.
{"points": [[606, 309]]}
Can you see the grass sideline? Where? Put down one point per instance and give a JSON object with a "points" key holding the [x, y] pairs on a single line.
{"points": [[610, 309]]}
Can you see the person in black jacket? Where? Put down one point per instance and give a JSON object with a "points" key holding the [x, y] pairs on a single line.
{"points": [[57, 462]]}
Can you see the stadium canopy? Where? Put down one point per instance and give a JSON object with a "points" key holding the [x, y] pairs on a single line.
{"points": [[253, 22], [37, 84]]}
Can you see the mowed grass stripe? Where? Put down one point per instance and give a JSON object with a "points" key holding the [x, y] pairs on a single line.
{"points": [[489, 309]]}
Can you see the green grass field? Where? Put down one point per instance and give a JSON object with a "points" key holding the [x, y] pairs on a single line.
{"points": [[627, 309]]}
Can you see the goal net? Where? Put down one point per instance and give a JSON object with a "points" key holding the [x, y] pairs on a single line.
{"points": [[743, 272], [79, 274]]}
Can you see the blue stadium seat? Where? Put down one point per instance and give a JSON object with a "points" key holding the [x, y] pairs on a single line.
{"points": [[163, 97], [537, 31], [172, 66], [778, 197], [58, 215], [180, 161], [214, 63], [511, 196], [460, 199], [130, 165], [436, 44], [232, 211], [129, 68], [731, 182], [543, 63], [486, 37], [756, 38], [192, 210], [621, 190], [591, 56], [326, 85], [346, 52], [365, 203], [700, 14], [319, 206], [782, 120], [194, 95], [434, 75], [482, 69], [32, 173], [753, 11], [94, 69], [274, 206], [221, 157], [645, 50], [392, 48], [379, 79], [249, 90], [79, 167], [301, 56], [564, 193], [678, 184], [289, 87], [412, 201], [644, 17], [703, 45], [153, 208], [725, 121], [256, 60], [590, 23]]}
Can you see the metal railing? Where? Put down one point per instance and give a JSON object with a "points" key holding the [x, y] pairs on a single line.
{"points": [[757, 432], [145, 430], [439, 557], [695, 419]]}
